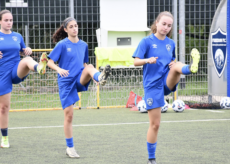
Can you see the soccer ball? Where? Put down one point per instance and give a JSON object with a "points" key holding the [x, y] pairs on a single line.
{"points": [[165, 107], [141, 106], [178, 106], [225, 102]]}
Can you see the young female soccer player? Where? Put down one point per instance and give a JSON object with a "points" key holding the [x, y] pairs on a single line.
{"points": [[12, 70], [161, 74], [74, 75]]}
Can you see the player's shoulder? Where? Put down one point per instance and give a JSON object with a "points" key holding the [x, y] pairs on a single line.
{"points": [[16, 34], [62, 42], [151, 39], [81, 42], [146, 40]]}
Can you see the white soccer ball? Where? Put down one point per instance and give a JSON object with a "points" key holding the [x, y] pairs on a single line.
{"points": [[225, 102], [141, 106], [165, 107], [178, 106]]}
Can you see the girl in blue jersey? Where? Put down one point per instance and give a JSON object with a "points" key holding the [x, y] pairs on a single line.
{"points": [[161, 74], [12, 70], [74, 75]]}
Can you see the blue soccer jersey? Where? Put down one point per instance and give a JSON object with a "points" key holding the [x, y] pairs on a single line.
{"points": [[151, 46], [10, 46], [70, 56]]}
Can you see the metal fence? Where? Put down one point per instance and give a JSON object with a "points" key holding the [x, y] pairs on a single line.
{"points": [[42, 17]]}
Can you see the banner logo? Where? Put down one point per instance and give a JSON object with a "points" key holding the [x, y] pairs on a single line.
{"points": [[219, 51]]}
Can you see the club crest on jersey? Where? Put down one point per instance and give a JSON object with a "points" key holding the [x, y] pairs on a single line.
{"points": [[14, 38], [150, 101], [1, 39], [69, 49], [168, 46], [219, 51], [154, 46]]}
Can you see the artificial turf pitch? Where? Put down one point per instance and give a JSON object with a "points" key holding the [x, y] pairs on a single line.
{"points": [[118, 136]]}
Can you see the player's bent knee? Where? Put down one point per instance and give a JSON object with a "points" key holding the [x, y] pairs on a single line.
{"points": [[26, 60], [90, 66]]}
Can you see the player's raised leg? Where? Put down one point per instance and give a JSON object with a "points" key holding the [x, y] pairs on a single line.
{"points": [[91, 72], [179, 68], [27, 64]]}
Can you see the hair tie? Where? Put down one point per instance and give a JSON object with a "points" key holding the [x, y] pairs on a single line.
{"points": [[67, 21]]}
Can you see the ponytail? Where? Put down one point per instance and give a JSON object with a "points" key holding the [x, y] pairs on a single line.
{"points": [[59, 34]]}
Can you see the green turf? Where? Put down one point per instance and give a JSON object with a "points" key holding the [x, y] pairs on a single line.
{"points": [[178, 142], [108, 97]]}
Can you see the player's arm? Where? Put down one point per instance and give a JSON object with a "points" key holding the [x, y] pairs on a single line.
{"points": [[25, 50], [140, 62], [62, 72]]}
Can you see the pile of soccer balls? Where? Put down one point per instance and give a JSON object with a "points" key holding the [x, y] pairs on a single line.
{"points": [[177, 106]]}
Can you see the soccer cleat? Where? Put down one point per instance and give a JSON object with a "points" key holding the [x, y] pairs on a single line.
{"points": [[5, 142], [152, 161], [104, 75], [42, 64], [71, 152], [195, 60]]}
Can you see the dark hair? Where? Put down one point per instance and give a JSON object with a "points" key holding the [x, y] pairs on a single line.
{"points": [[154, 27], [3, 12], [60, 32]]}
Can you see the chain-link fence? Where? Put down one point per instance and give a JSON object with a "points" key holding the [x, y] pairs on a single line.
{"points": [[39, 20]]}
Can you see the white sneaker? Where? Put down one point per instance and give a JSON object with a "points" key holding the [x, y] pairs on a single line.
{"points": [[5, 142], [71, 152]]}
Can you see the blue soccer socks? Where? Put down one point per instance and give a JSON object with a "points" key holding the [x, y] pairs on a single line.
{"points": [[35, 67], [95, 76], [185, 70], [151, 147], [4, 132], [69, 142]]}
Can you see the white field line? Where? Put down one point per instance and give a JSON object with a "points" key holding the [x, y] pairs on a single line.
{"points": [[115, 124], [215, 111]]}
